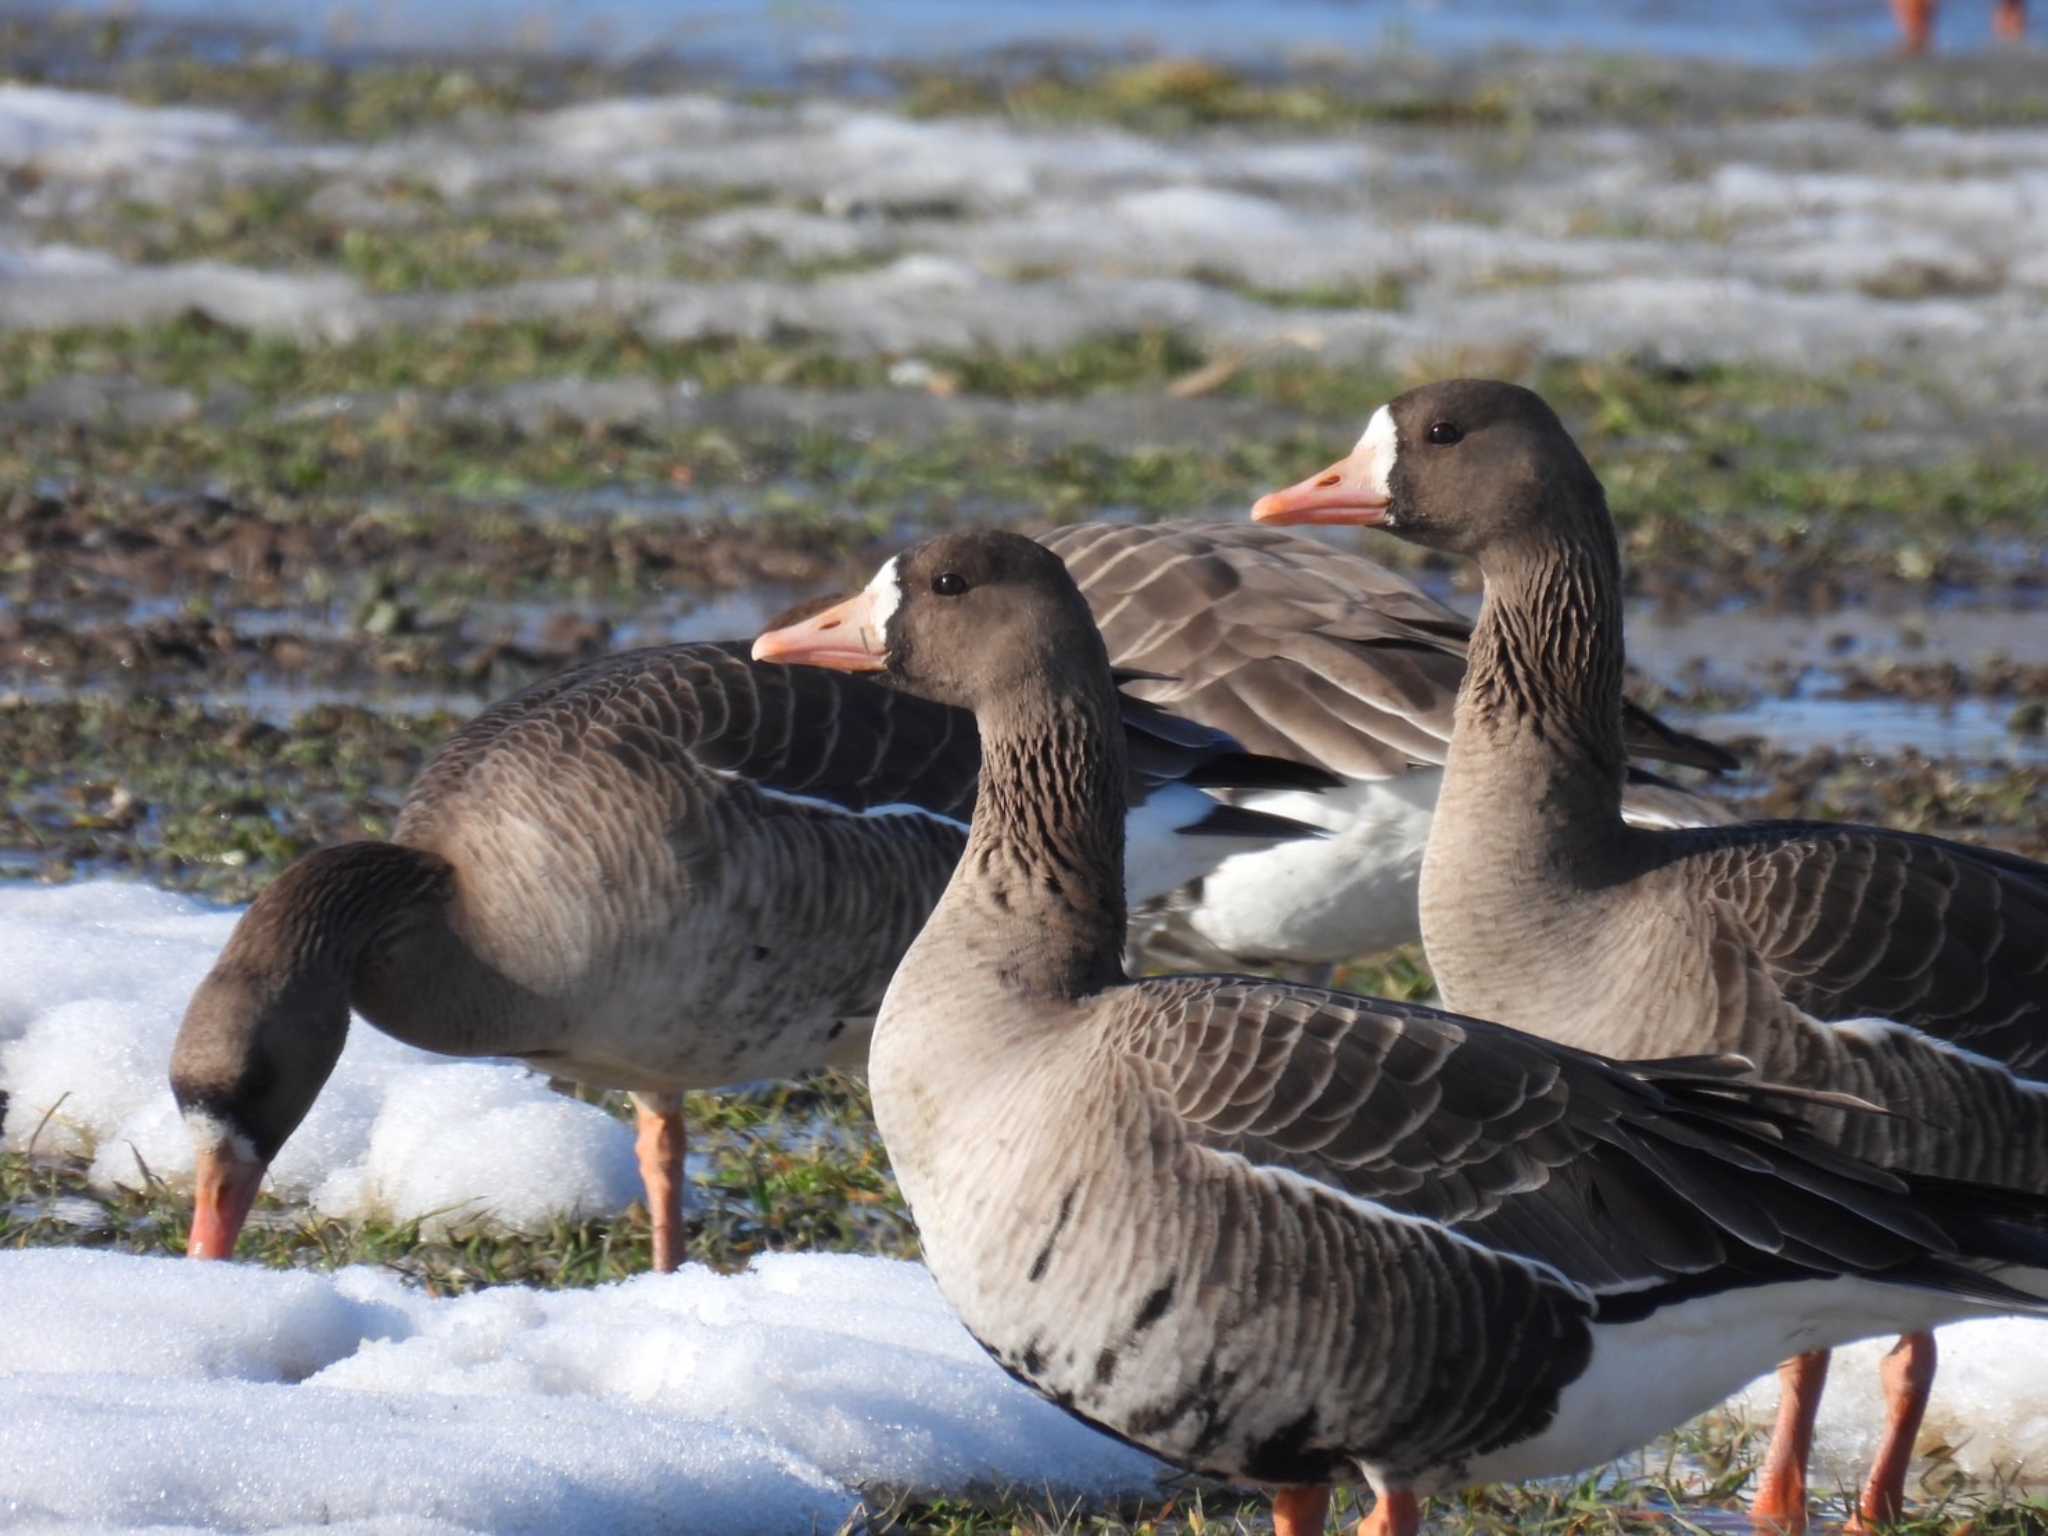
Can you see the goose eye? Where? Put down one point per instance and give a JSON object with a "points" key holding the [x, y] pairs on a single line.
{"points": [[1443, 433], [949, 583]]}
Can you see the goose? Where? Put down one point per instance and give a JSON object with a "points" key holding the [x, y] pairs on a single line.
{"points": [[1303, 651], [1293, 1237], [1903, 968], [668, 869]]}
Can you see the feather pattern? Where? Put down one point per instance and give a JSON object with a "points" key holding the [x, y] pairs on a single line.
{"points": [[1291, 1236], [1304, 651]]}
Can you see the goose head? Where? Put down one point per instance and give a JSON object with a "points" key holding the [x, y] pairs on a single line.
{"points": [[265, 1028], [964, 618], [257, 1042], [1466, 466]]}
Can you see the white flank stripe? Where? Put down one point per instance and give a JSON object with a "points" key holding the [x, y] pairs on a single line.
{"points": [[816, 803]]}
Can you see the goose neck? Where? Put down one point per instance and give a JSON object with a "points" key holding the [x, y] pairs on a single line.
{"points": [[1539, 719], [1043, 870]]}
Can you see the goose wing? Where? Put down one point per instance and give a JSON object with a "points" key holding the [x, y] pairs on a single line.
{"points": [[1850, 923], [1630, 1183], [1293, 647]]}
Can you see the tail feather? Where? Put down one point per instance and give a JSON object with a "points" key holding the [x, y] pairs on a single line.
{"points": [[1238, 821]]}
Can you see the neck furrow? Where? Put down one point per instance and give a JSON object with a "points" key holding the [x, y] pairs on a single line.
{"points": [[1043, 873], [1539, 718]]}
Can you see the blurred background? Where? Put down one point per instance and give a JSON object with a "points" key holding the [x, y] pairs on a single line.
{"points": [[357, 372]]}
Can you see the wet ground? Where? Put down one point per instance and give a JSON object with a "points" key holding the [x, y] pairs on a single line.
{"points": [[339, 398]]}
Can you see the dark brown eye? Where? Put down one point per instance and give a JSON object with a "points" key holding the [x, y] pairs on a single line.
{"points": [[949, 583], [1443, 433]]}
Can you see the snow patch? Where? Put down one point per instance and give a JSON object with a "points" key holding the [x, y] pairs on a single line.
{"points": [[1987, 1403], [161, 1392], [96, 980]]}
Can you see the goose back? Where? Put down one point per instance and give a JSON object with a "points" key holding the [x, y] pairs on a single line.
{"points": [[688, 868]]}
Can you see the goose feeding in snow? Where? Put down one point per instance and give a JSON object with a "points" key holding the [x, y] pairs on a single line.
{"points": [[1905, 969], [669, 869], [1307, 652], [1294, 1237]]}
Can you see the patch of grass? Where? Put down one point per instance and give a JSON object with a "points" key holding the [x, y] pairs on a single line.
{"points": [[404, 235], [1174, 94], [1383, 291], [192, 799], [324, 95], [796, 1166], [1712, 472], [194, 352]]}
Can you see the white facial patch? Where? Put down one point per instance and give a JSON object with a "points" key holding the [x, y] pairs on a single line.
{"points": [[884, 593], [211, 1132], [1377, 448]]}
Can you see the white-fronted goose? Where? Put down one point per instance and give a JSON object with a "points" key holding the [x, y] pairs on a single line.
{"points": [[669, 869], [1307, 652], [1295, 1237], [1903, 968]]}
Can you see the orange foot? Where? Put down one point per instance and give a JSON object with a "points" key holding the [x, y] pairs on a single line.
{"points": [[1398, 1513], [1908, 1377], [1301, 1511], [1780, 1502], [660, 1145]]}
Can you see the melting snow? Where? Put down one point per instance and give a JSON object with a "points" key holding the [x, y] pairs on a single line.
{"points": [[1841, 242], [778, 1390], [95, 982], [163, 1393], [1988, 1404]]}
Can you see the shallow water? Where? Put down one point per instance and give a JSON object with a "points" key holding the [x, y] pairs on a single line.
{"points": [[764, 38]]}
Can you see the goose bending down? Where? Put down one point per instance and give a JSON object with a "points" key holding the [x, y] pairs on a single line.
{"points": [[669, 869], [1307, 652], [1902, 968], [1295, 1237]]}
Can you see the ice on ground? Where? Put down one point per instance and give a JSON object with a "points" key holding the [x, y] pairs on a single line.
{"points": [[164, 1393], [77, 133], [95, 981], [1830, 241], [1988, 1404]]}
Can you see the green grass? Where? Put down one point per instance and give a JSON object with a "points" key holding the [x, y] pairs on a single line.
{"points": [[1709, 471], [795, 1167]]}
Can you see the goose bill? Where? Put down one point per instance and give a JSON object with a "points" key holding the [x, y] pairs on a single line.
{"points": [[847, 637], [224, 1186], [1347, 492]]}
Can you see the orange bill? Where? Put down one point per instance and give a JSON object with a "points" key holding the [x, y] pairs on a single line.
{"points": [[1352, 490], [223, 1188], [847, 637]]}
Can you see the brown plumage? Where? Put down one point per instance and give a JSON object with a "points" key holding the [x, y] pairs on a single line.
{"points": [[1907, 969], [1318, 655], [1295, 1237], [669, 869]]}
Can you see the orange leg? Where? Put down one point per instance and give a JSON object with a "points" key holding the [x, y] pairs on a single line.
{"points": [[1781, 1486], [1301, 1511], [1398, 1513], [1908, 1376], [1916, 21], [2009, 20], [660, 1144]]}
